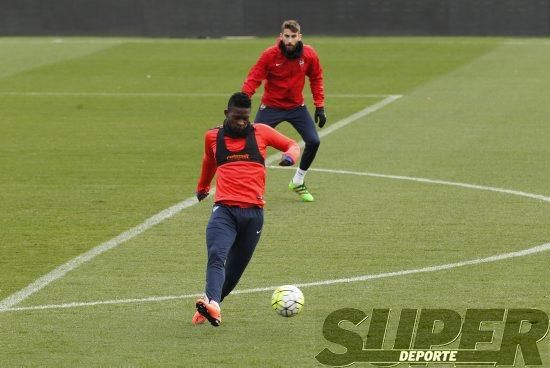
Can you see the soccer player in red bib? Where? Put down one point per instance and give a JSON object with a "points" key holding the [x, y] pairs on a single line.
{"points": [[235, 152], [284, 67]]}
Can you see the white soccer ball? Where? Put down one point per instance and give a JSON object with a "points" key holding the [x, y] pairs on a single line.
{"points": [[287, 300]]}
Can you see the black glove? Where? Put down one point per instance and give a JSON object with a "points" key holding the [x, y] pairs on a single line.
{"points": [[320, 116], [202, 195], [286, 161]]}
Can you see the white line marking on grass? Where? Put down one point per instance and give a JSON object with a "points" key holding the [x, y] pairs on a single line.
{"points": [[495, 258], [527, 42], [239, 38], [358, 115], [159, 94], [27, 41], [106, 40], [62, 270], [430, 181]]}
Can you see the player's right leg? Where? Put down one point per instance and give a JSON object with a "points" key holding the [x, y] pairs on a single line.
{"points": [[221, 232]]}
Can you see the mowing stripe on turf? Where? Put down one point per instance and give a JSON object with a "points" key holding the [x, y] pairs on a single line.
{"points": [[498, 257], [495, 258], [159, 94], [62, 270]]}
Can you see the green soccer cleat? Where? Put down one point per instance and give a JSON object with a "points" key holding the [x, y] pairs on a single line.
{"points": [[302, 191]]}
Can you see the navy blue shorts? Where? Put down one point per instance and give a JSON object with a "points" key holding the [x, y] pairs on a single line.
{"points": [[301, 120]]}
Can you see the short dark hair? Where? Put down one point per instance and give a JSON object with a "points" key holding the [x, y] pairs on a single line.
{"points": [[239, 99], [291, 24]]}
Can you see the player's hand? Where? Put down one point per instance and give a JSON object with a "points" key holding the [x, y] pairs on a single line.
{"points": [[202, 195], [320, 116], [286, 161]]}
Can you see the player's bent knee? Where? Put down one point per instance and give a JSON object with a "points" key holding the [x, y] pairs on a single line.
{"points": [[314, 143]]}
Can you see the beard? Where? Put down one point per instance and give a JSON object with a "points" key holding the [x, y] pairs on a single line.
{"points": [[293, 53]]}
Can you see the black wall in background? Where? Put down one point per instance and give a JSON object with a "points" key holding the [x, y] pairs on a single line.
{"points": [[215, 18]]}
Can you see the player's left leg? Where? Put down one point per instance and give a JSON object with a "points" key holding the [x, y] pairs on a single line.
{"points": [[303, 123], [250, 228], [221, 232]]}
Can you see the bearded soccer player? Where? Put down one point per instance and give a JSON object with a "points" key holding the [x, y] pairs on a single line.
{"points": [[284, 67], [236, 153]]}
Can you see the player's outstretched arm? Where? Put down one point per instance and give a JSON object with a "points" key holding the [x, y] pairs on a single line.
{"points": [[279, 141]]}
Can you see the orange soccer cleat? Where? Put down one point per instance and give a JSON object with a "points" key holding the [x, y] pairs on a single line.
{"points": [[209, 310]]}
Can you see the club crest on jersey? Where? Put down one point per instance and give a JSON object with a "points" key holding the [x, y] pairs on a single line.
{"points": [[238, 157], [301, 62]]}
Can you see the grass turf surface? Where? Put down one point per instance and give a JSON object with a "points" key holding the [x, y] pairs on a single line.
{"points": [[79, 168]]}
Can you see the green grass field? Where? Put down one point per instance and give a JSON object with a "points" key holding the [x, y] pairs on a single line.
{"points": [[98, 135]]}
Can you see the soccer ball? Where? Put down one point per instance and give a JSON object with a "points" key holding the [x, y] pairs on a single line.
{"points": [[287, 300]]}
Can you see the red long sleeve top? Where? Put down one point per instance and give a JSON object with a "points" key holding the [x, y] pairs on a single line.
{"points": [[241, 183], [285, 78]]}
